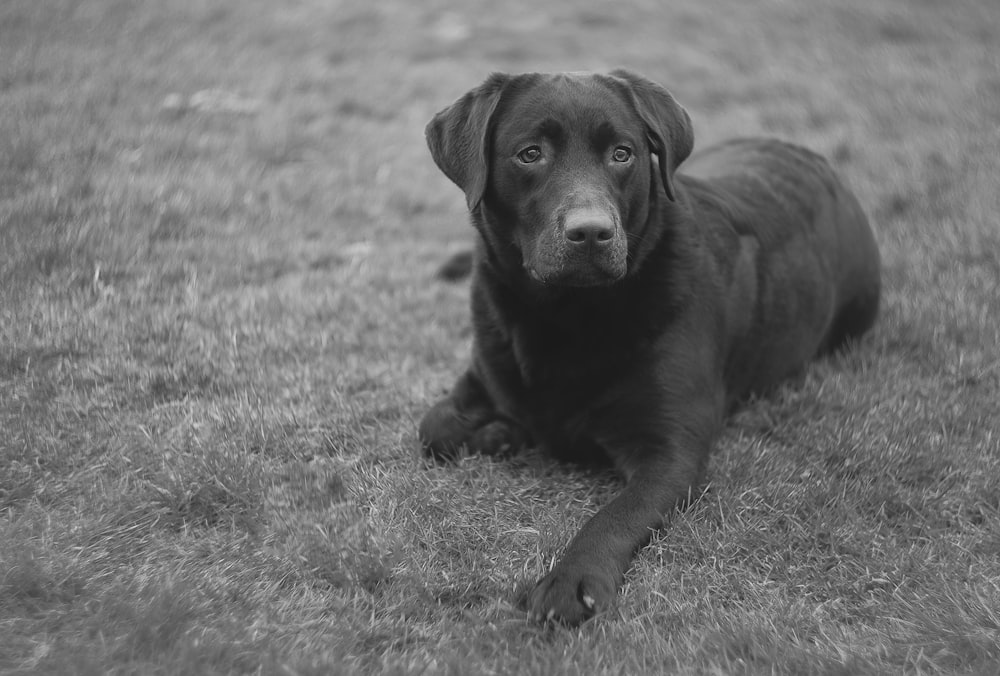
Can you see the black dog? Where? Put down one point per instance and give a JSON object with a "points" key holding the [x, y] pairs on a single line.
{"points": [[620, 309]]}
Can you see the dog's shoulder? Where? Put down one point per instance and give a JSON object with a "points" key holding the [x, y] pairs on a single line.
{"points": [[766, 188], [763, 166]]}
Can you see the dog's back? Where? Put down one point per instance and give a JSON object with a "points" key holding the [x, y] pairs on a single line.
{"points": [[806, 249]]}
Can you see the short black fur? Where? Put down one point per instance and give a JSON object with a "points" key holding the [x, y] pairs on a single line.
{"points": [[619, 308]]}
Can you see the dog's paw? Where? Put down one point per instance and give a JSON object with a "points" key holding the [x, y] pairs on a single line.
{"points": [[447, 433], [443, 432], [570, 595], [499, 438]]}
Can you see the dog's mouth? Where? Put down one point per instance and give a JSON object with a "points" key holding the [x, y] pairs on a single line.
{"points": [[576, 277]]}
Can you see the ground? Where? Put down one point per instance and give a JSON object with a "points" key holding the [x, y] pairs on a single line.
{"points": [[219, 324]]}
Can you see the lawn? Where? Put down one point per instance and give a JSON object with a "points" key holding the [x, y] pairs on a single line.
{"points": [[220, 323]]}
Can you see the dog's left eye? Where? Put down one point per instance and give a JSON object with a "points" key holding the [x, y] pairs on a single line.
{"points": [[622, 154], [530, 154]]}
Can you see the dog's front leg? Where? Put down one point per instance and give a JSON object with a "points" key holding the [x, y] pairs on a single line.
{"points": [[585, 580]]}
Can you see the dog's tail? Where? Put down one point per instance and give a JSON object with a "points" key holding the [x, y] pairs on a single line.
{"points": [[456, 268]]}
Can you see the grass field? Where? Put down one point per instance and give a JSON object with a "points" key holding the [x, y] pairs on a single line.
{"points": [[219, 324]]}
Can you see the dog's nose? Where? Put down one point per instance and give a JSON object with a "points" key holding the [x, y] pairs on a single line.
{"points": [[589, 227]]}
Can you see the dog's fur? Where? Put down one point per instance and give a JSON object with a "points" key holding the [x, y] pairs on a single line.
{"points": [[620, 309]]}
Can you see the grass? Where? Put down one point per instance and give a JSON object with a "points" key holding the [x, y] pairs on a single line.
{"points": [[219, 324]]}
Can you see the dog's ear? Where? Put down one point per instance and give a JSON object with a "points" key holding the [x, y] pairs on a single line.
{"points": [[667, 123], [458, 137]]}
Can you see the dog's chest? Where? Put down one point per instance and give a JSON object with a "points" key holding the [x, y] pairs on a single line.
{"points": [[564, 372], [573, 386]]}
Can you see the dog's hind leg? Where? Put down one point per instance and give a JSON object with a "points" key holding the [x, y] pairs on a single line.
{"points": [[859, 279], [467, 418], [851, 321]]}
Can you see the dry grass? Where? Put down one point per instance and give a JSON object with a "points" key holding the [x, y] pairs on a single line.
{"points": [[218, 325]]}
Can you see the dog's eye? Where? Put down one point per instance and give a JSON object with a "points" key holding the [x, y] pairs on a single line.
{"points": [[530, 154], [622, 154]]}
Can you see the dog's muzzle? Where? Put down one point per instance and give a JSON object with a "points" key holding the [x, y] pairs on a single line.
{"points": [[585, 247]]}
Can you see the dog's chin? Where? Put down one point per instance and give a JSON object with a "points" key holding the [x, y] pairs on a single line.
{"points": [[575, 278]]}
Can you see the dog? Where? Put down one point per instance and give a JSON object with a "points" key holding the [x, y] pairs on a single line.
{"points": [[620, 308]]}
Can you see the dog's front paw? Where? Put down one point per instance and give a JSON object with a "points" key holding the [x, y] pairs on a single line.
{"points": [[499, 438], [445, 433], [570, 595]]}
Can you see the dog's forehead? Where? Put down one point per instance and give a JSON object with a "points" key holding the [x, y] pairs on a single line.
{"points": [[580, 101]]}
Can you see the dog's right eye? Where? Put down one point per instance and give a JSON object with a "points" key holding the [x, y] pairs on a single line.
{"points": [[529, 155], [622, 154]]}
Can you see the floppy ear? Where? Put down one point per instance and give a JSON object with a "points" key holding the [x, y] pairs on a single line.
{"points": [[458, 137], [667, 123]]}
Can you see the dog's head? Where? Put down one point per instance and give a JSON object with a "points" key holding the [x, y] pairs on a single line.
{"points": [[557, 169]]}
